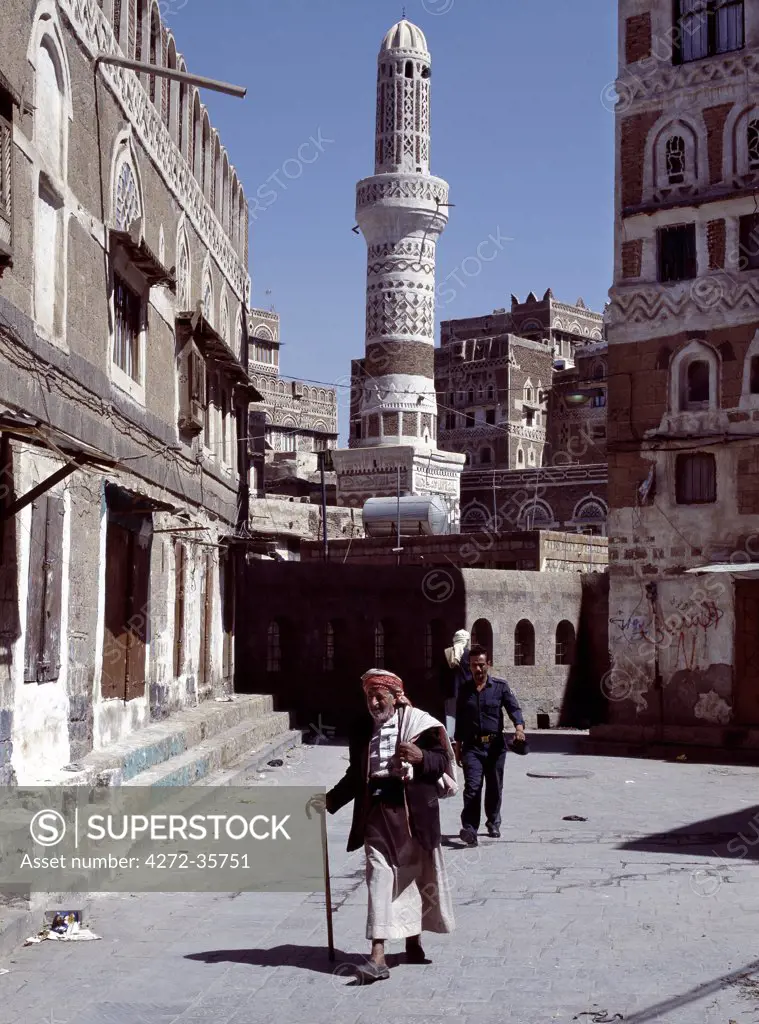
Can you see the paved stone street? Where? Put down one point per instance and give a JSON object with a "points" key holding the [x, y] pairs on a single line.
{"points": [[558, 921]]}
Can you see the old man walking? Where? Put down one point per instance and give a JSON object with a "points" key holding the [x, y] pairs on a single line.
{"points": [[401, 761]]}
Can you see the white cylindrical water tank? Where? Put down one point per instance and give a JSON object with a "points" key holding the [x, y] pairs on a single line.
{"points": [[418, 515]]}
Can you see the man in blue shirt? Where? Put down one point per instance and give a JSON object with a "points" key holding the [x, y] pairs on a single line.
{"points": [[480, 743]]}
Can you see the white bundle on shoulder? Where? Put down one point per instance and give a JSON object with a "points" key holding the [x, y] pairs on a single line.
{"points": [[453, 655], [414, 723]]}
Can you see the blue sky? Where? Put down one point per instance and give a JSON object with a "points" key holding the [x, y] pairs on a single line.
{"points": [[519, 130]]}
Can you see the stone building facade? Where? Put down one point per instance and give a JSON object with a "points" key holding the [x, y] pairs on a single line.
{"points": [[123, 384], [509, 403], [402, 210], [300, 417], [328, 624], [684, 372]]}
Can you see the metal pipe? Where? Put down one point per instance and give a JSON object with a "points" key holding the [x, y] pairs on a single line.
{"points": [[173, 74]]}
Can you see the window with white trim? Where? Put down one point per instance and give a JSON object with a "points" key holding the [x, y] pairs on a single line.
{"points": [[704, 28], [127, 308]]}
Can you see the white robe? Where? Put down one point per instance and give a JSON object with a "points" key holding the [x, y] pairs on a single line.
{"points": [[409, 891]]}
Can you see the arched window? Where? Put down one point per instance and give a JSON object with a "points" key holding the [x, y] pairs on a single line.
{"points": [[329, 648], [531, 457], [183, 117], [482, 634], [183, 275], [491, 393], [243, 218], [225, 193], [675, 156], [215, 196], [224, 322], [127, 206], [409, 69], [520, 457], [565, 643], [205, 156], [50, 135], [599, 371], [434, 644], [697, 389], [208, 298], [379, 646], [475, 517], [524, 643], [486, 456], [235, 226], [196, 140], [50, 114], [753, 144], [694, 379], [171, 96], [470, 396], [273, 649], [155, 56]]}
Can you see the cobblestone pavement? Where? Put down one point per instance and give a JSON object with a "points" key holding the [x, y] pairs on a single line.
{"points": [[558, 921]]}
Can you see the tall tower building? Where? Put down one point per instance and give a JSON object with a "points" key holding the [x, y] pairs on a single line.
{"points": [[684, 375], [402, 211]]}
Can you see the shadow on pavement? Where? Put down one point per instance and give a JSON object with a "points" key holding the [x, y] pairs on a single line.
{"points": [[737, 978], [733, 835], [309, 958]]}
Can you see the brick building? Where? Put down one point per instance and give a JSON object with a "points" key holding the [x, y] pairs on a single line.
{"points": [[299, 417], [683, 380], [509, 388], [123, 384]]}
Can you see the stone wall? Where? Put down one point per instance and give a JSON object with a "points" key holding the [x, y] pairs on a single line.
{"points": [[419, 611]]}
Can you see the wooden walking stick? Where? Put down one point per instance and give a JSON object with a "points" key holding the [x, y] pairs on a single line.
{"points": [[328, 890]]}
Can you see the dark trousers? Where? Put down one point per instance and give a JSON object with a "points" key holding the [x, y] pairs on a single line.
{"points": [[483, 765]]}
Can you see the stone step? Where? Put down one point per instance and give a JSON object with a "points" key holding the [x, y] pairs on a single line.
{"points": [[160, 742], [213, 754]]}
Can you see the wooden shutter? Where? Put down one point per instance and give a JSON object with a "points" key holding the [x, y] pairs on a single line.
{"points": [[50, 661], [36, 597], [139, 615], [115, 641]]}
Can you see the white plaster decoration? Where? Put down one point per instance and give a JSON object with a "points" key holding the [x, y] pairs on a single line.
{"points": [[741, 148], [589, 511], [536, 514], [401, 214], [184, 272], [675, 145], [749, 399], [207, 296], [162, 247], [642, 311], [127, 207], [658, 80], [96, 35]]}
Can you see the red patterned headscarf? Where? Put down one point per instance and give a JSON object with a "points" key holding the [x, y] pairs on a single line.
{"points": [[379, 677]]}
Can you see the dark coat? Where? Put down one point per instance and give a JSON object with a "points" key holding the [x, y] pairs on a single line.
{"points": [[421, 790]]}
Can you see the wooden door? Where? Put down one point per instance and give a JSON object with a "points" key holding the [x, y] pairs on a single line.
{"points": [[746, 697], [116, 640]]}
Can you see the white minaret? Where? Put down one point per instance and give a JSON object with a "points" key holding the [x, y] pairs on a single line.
{"points": [[402, 211]]}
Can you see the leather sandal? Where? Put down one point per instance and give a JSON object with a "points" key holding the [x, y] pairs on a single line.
{"points": [[370, 971]]}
